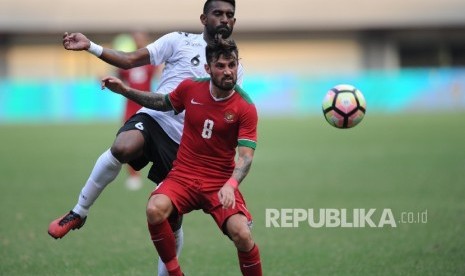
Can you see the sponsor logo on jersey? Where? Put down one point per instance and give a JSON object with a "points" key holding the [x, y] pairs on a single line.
{"points": [[193, 44]]}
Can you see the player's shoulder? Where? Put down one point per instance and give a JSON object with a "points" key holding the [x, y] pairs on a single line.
{"points": [[241, 92], [201, 80], [180, 39], [184, 36], [187, 34], [195, 81], [184, 40]]}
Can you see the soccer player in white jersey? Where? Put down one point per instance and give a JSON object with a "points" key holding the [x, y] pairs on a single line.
{"points": [[149, 136]]}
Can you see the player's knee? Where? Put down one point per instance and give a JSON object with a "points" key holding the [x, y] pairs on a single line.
{"points": [[241, 237], [158, 209], [128, 146], [154, 214], [120, 152]]}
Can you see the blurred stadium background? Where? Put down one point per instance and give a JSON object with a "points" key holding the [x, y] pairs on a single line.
{"points": [[407, 57], [402, 55]]}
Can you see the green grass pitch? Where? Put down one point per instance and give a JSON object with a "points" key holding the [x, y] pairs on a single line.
{"points": [[406, 163]]}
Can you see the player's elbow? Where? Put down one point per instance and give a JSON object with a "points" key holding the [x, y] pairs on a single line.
{"points": [[126, 66], [135, 59], [128, 63]]}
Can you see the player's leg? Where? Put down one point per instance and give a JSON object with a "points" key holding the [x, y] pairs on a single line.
{"points": [[236, 223], [237, 228], [175, 221], [174, 195], [159, 208], [127, 146], [133, 180], [162, 150]]}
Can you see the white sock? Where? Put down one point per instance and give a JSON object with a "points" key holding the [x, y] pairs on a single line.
{"points": [[179, 235], [105, 171]]}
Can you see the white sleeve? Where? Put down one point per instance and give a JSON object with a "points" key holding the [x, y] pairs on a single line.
{"points": [[163, 48], [240, 74]]}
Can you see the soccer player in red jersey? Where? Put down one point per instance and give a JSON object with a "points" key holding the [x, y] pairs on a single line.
{"points": [[220, 117]]}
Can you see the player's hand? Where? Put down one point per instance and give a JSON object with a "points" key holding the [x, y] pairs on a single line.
{"points": [[227, 197], [75, 41], [114, 84]]}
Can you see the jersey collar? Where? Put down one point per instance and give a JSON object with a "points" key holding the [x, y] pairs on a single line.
{"points": [[219, 99]]}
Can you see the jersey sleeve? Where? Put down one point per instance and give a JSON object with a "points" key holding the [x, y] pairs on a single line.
{"points": [[240, 74], [248, 128], [163, 48], [176, 97]]}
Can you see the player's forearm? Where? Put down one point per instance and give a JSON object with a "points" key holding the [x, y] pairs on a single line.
{"points": [[242, 167], [123, 60], [150, 100]]}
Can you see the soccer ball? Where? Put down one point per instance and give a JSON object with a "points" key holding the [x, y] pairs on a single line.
{"points": [[344, 106]]}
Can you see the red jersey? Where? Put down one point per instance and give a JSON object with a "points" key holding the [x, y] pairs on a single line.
{"points": [[139, 78], [213, 128]]}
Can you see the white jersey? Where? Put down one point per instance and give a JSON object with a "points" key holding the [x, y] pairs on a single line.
{"points": [[184, 57]]}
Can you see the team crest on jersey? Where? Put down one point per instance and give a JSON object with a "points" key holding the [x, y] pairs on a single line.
{"points": [[230, 116]]}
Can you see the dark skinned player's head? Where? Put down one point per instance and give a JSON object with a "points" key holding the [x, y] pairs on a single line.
{"points": [[218, 17]]}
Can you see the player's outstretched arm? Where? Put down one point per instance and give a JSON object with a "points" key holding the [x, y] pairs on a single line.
{"points": [[155, 101], [123, 60]]}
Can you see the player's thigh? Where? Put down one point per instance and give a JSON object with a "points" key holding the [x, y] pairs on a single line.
{"points": [[223, 216]]}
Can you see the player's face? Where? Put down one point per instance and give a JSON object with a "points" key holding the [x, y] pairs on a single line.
{"points": [[223, 72], [219, 19]]}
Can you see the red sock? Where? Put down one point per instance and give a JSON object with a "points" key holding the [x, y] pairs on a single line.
{"points": [[165, 243], [250, 262]]}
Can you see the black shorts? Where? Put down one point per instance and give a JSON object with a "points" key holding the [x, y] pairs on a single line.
{"points": [[159, 148]]}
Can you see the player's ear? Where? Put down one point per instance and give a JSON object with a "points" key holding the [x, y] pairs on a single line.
{"points": [[203, 19], [207, 68]]}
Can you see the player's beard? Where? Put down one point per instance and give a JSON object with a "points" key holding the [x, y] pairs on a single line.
{"points": [[223, 30], [226, 83]]}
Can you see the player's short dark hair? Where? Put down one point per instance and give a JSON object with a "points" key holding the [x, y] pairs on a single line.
{"points": [[206, 6], [221, 47]]}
